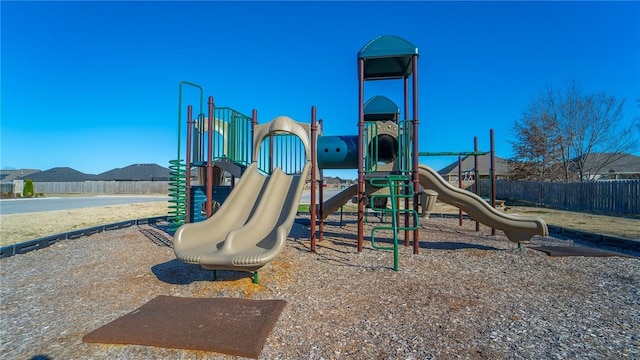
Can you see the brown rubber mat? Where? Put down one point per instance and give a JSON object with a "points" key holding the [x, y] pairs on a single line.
{"points": [[225, 325], [577, 251]]}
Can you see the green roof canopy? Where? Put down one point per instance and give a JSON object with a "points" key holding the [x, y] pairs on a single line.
{"points": [[380, 108], [387, 57]]}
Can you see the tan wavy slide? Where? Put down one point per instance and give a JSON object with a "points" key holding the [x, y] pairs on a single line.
{"points": [[517, 228], [250, 228]]}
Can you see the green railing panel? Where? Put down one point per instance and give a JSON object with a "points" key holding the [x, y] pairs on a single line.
{"points": [[232, 137], [371, 148], [288, 153], [240, 138], [405, 146]]}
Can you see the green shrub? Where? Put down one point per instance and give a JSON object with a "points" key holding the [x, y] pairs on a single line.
{"points": [[27, 191]]}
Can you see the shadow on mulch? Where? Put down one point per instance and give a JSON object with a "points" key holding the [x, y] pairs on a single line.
{"points": [[449, 245], [350, 241], [177, 272], [560, 251]]}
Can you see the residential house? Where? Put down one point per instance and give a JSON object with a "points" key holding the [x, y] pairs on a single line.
{"points": [[608, 166], [7, 176], [502, 168], [136, 172], [127, 180], [59, 174]]}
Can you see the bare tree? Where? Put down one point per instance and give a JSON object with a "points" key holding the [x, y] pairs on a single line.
{"points": [[561, 131], [537, 150]]}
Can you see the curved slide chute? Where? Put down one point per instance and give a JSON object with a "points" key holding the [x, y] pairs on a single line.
{"points": [[517, 228], [334, 203], [251, 227]]}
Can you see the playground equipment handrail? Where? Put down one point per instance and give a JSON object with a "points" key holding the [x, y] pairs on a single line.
{"points": [[395, 183], [178, 169], [180, 107]]}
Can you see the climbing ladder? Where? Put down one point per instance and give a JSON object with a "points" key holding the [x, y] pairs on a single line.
{"points": [[177, 194], [399, 188]]}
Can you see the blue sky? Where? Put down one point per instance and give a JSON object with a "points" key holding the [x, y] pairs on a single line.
{"points": [[94, 85]]}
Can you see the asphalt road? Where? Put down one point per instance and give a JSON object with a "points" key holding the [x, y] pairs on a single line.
{"points": [[19, 206], [305, 198]]}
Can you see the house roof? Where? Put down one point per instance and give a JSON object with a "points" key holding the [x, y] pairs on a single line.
{"points": [[136, 172], [59, 174], [610, 163], [10, 175], [484, 162]]}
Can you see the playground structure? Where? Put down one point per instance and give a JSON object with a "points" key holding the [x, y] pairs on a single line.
{"points": [[276, 159]]}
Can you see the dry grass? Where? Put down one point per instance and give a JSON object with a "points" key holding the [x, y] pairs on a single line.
{"points": [[609, 225], [16, 228], [600, 224]]}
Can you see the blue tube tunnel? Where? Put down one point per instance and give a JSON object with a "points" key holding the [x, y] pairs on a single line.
{"points": [[341, 152]]}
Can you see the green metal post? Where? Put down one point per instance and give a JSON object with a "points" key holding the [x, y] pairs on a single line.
{"points": [[180, 108]]}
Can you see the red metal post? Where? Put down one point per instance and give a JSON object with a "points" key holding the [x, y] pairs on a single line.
{"points": [[476, 173], [210, 157], [492, 173], [254, 122], [414, 166], [314, 171], [188, 163], [360, 154], [321, 200], [271, 162], [459, 186], [406, 190]]}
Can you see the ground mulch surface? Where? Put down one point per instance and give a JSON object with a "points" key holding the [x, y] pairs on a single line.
{"points": [[466, 294]]}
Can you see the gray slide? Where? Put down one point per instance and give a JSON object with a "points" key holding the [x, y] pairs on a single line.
{"points": [[517, 228], [251, 227]]}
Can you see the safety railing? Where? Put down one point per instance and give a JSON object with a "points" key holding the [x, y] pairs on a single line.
{"points": [[282, 150], [231, 137]]}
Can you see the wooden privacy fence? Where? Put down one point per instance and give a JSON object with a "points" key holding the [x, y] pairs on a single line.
{"points": [[6, 187], [616, 197], [102, 187]]}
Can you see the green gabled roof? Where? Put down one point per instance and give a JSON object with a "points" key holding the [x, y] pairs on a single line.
{"points": [[380, 108], [387, 57]]}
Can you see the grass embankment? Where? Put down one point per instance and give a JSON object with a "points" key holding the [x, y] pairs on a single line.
{"points": [[15, 228]]}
